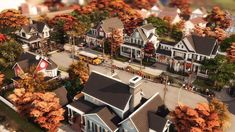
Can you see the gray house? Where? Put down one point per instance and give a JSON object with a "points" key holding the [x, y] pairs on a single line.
{"points": [[110, 105], [97, 34], [33, 34], [134, 44], [188, 54]]}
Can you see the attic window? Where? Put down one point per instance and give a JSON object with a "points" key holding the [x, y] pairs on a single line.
{"points": [[23, 34]]}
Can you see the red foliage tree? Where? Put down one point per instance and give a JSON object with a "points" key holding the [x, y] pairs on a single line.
{"points": [[218, 18], [2, 38], [65, 20], [149, 50]]}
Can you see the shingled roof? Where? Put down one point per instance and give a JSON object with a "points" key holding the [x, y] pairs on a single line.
{"points": [[37, 26], [202, 45], [28, 59], [156, 122], [109, 90], [111, 23], [107, 116]]}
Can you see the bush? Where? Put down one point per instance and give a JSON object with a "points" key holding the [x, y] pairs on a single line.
{"points": [[2, 119]]}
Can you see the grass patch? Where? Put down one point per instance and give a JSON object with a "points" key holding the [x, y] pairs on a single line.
{"points": [[203, 83], [17, 121]]}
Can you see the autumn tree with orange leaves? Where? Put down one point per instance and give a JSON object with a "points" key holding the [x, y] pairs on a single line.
{"points": [[198, 119], [46, 111], [183, 5], [116, 8], [79, 70], [217, 33], [116, 40], [2, 38], [1, 78], [44, 108], [11, 20], [218, 18]]}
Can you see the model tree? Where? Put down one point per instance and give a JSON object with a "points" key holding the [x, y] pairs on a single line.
{"points": [[149, 50], [183, 5], [22, 100], [141, 4], [79, 69], [220, 71], [222, 110], [10, 50], [2, 38], [11, 20], [218, 18], [1, 78], [46, 111], [44, 108], [33, 82], [116, 40], [196, 119], [231, 52], [226, 43]]}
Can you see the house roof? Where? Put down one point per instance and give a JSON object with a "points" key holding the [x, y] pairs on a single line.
{"points": [[110, 23], [202, 45], [168, 12], [108, 117], [198, 20], [38, 26], [83, 105], [148, 26], [107, 89], [61, 93], [140, 116], [28, 59], [156, 122]]}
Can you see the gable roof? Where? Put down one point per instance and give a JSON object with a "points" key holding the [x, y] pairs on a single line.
{"points": [[156, 122], [198, 20], [108, 90], [38, 26], [61, 93], [168, 12], [202, 45], [114, 22], [83, 106], [28, 59], [108, 117], [140, 116]]}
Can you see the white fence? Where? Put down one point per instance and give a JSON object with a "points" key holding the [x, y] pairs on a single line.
{"points": [[8, 103]]}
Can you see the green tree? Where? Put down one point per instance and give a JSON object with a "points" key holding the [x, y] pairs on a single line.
{"points": [[225, 44], [161, 25], [220, 70], [9, 51], [73, 87]]}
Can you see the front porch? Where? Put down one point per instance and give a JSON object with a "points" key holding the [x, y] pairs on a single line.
{"points": [[130, 52], [94, 42]]}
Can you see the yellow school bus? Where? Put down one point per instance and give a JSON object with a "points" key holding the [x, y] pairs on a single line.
{"points": [[90, 58]]}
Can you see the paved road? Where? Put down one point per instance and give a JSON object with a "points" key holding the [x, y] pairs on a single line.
{"points": [[149, 88]]}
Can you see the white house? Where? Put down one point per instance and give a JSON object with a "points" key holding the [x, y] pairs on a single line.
{"points": [[134, 44], [33, 34], [188, 54], [199, 12], [42, 64], [97, 34], [173, 13], [109, 105], [190, 24]]}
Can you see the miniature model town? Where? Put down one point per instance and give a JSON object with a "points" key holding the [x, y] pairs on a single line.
{"points": [[117, 66]]}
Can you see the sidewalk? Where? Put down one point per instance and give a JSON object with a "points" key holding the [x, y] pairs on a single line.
{"points": [[223, 96]]}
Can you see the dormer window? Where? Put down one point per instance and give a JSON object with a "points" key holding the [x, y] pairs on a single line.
{"points": [[23, 34]]}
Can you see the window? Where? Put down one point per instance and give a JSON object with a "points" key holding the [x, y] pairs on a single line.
{"points": [[126, 50], [23, 34], [102, 34]]}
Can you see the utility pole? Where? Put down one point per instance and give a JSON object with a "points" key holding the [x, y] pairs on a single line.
{"points": [[165, 88], [111, 56]]}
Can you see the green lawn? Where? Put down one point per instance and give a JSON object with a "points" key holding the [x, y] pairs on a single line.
{"points": [[16, 121], [202, 83]]}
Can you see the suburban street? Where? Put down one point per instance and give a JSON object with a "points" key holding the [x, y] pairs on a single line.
{"points": [[173, 96]]}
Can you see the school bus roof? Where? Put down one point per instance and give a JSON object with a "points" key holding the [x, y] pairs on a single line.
{"points": [[87, 54]]}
